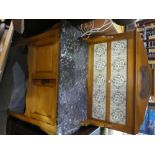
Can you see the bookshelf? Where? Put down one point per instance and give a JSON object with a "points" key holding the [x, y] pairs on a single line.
{"points": [[147, 29]]}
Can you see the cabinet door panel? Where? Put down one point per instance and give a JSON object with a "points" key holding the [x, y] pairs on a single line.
{"points": [[43, 102], [118, 82], [44, 59], [128, 83], [44, 64]]}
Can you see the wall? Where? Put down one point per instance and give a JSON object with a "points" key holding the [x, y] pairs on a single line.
{"points": [[72, 98], [16, 55]]}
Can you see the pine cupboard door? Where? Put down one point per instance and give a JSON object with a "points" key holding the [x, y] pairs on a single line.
{"points": [[121, 84], [44, 59], [111, 82], [41, 99], [43, 102]]}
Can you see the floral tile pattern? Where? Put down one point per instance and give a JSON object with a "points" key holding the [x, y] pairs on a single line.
{"points": [[99, 82], [118, 82]]}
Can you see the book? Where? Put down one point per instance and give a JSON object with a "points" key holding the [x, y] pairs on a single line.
{"points": [[151, 50], [152, 37]]}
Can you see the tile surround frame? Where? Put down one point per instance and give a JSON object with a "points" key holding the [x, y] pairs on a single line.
{"points": [[120, 87]]}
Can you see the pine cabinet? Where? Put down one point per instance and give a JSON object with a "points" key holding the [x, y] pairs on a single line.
{"points": [[119, 82], [56, 87], [42, 85], [41, 95]]}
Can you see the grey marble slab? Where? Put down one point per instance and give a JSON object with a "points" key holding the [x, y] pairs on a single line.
{"points": [[72, 98]]}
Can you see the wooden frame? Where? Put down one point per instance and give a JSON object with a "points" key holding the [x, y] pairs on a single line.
{"points": [[136, 58], [41, 79]]}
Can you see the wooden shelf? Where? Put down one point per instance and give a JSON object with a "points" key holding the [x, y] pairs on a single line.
{"points": [[149, 40], [151, 57]]}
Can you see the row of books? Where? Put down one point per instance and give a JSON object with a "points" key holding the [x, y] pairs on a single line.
{"points": [[147, 30], [149, 27], [148, 35]]}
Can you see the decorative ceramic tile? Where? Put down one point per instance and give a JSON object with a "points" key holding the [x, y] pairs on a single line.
{"points": [[99, 82], [118, 82]]}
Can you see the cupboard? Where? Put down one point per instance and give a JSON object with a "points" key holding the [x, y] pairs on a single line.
{"points": [[43, 77], [56, 92], [118, 88], [119, 82]]}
